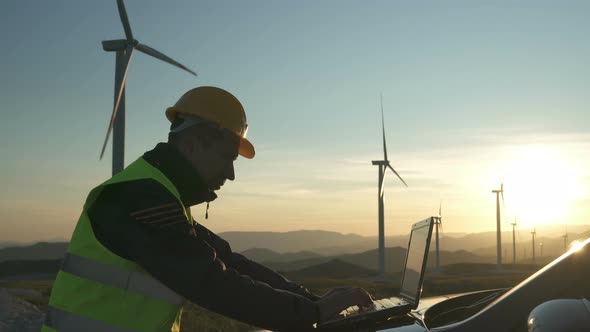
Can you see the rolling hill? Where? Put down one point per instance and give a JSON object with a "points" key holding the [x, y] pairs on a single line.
{"points": [[37, 251], [395, 260]]}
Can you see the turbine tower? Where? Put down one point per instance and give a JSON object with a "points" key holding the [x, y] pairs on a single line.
{"points": [[438, 223], [564, 241], [513, 242], [533, 233], [498, 225], [383, 165], [124, 49]]}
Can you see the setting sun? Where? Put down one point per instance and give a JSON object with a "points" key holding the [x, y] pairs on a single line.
{"points": [[539, 184]]}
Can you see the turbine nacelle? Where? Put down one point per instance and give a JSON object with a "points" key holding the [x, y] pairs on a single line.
{"points": [[118, 44], [500, 192]]}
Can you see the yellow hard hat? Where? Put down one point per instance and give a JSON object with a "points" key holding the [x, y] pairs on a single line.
{"points": [[217, 106]]}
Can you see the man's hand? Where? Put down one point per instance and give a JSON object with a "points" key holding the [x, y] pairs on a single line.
{"points": [[338, 299]]}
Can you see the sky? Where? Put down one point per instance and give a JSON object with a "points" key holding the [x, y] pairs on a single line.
{"points": [[475, 93]]}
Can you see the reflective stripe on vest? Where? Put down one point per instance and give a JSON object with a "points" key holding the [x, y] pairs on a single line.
{"points": [[115, 276], [64, 321]]}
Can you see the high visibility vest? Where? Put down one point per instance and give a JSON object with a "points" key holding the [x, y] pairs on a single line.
{"points": [[99, 291]]}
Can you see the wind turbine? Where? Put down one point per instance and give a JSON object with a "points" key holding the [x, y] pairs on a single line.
{"points": [[498, 225], [383, 165], [438, 223], [513, 242], [124, 49], [533, 233], [564, 236]]}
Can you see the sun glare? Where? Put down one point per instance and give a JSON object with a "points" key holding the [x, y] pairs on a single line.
{"points": [[576, 245], [538, 186]]}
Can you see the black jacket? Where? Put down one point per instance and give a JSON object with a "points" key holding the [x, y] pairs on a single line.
{"points": [[143, 222]]}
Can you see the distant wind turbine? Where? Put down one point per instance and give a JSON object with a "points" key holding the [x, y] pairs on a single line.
{"points": [[438, 223], [498, 225], [564, 236], [533, 233], [513, 242], [383, 165], [124, 49]]}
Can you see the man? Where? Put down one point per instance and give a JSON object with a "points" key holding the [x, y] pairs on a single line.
{"points": [[137, 254]]}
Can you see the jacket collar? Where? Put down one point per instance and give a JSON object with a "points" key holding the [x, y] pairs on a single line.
{"points": [[181, 173]]}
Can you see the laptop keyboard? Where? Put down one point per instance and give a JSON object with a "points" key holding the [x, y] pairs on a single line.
{"points": [[377, 305]]}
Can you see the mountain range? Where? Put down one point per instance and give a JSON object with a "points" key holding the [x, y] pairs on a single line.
{"points": [[302, 247], [333, 243], [37, 251], [395, 259]]}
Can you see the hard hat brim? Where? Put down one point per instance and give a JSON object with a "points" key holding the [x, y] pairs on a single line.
{"points": [[246, 148], [171, 113]]}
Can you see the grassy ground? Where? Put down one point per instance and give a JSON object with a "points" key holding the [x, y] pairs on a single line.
{"points": [[199, 319]]}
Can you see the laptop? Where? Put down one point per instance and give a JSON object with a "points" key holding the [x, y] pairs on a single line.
{"points": [[411, 285]]}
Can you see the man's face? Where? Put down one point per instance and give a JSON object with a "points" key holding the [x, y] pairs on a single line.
{"points": [[215, 162]]}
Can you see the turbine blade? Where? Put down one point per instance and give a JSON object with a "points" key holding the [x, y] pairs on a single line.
{"points": [[116, 107], [391, 168], [125, 20], [157, 54], [383, 127], [440, 209]]}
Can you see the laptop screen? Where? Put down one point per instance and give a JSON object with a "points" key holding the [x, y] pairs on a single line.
{"points": [[418, 246]]}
